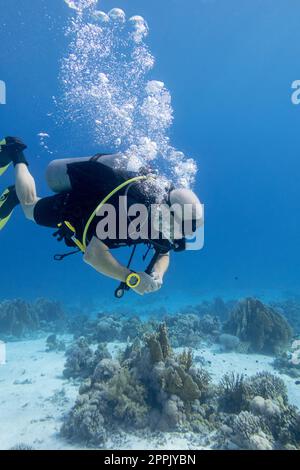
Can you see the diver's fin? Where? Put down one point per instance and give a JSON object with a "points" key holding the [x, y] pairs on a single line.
{"points": [[11, 150], [4, 161], [3, 169], [8, 201]]}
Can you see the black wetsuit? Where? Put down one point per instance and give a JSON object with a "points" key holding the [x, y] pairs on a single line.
{"points": [[91, 182]]}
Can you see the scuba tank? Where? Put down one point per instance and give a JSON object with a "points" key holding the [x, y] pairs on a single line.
{"points": [[58, 176]]}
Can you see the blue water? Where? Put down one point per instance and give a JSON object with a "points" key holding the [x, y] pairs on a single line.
{"points": [[229, 67]]}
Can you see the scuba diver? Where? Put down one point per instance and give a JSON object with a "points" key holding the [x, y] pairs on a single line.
{"points": [[84, 187]]}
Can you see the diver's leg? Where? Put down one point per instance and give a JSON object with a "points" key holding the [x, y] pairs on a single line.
{"points": [[12, 151], [26, 190]]}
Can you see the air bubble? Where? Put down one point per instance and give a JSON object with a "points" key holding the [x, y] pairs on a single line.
{"points": [[140, 28], [108, 97], [117, 15], [101, 17], [80, 5]]}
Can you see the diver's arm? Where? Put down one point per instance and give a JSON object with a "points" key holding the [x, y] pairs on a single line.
{"points": [[100, 258], [162, 264]]}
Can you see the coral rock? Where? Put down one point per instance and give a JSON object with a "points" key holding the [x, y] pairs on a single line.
{"points": [[265, 329]]}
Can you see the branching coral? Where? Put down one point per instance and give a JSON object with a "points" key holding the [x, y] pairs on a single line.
{"points": [[128, 399], [107, 404], [286, 426], [180, 383], [266, 385], [185, 359], [85, 421], [248, 431], [245, 424], [232, 392], [265, 419], [282, 421], [158, 344], [236, 392]]}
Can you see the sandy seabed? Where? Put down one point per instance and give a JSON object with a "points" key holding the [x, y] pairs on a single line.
{"points": [[34, 396]]}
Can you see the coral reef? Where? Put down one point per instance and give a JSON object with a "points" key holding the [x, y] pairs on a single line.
{"points": [[149, 387], [290, 309], [50, 311], [85, 422], [288, 362], [260, 326], [133, 327], [248, 433], [146, 385], [188, 330], [236, 391], [183, 330], [260, 417], [107, 327], [215, 308], [81, 325], [229, 342], [82, 360], [18, 317], [266, 426], [54, 344], [268, 386], [281, 421], [232, 393]]}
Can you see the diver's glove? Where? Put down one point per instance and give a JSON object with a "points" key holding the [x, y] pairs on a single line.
{"points": [[147, 284], [65, 232], [157, 279]]}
